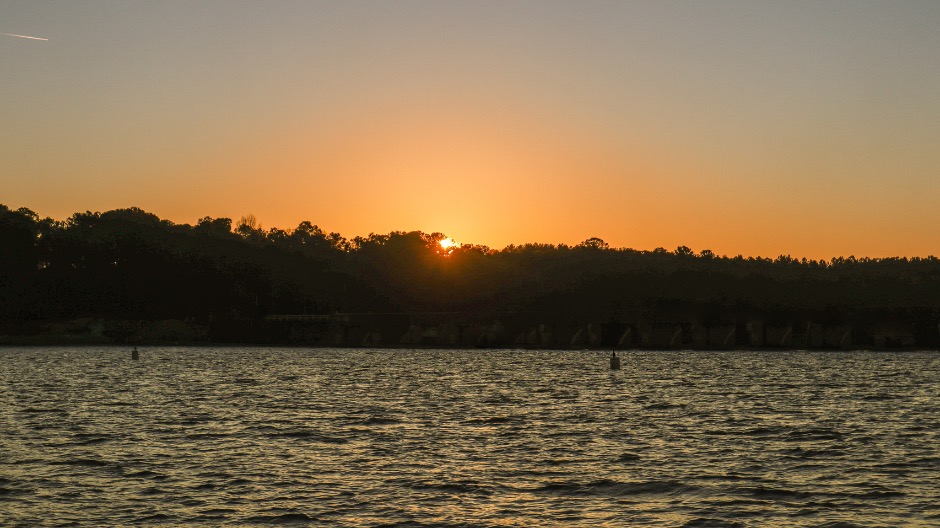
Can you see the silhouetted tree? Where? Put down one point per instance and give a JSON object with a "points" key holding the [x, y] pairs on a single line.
{"points": [[128, 264]]}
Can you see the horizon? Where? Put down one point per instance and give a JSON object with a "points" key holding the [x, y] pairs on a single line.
{"points": [[761, 130], [448, 242]]}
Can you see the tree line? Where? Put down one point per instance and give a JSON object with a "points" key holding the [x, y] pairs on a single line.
{"points": [[130, 265]]}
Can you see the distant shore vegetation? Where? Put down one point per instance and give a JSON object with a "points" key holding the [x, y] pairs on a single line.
{"points": [[127, 276]]}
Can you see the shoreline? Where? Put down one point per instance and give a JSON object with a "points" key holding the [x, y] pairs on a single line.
{"points": [[6, 343]]}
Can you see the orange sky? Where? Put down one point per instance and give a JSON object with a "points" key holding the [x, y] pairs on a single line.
{"points": [[808, 129]]}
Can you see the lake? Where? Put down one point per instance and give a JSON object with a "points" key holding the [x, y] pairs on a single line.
{"points": [[242, 436]]}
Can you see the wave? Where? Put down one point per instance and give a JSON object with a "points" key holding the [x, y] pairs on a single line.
{"points": [[84, 440], [662, 406], [494, 420], [217, 511], [768, 492], [799, 453], [307, 434], [876, 494], [205, 436], [628, 457], [613, 488], [153, 491], [378, 420], [11, 491], [147, 474], [764, 431], [460, 487], [85, 462], [706, 522], [155, 518], [813, 433], [284, 518]]}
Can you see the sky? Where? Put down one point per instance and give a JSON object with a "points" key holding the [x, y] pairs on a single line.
{"points": [[807, 128]]}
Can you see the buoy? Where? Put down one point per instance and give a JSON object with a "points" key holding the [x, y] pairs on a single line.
{"points": [[134, 354], [614, 361]]}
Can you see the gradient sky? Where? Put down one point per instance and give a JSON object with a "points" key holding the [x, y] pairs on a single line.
{"points": [[807, 128]]}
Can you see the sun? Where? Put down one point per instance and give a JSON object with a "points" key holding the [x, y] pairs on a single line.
{"points": [[447, 243]]}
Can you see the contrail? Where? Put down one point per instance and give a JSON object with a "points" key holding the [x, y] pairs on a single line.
{"points": [[23, 36]]}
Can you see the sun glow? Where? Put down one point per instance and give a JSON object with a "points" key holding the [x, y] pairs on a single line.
{"points": [[447, 243]]}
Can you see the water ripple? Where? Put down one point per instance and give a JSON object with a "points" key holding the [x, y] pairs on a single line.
{"points": [[295, 437]]}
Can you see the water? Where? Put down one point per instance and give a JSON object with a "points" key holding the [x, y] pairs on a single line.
{"points": [[242, 436]]}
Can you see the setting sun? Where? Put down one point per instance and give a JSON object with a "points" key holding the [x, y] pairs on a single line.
{"points": [[447, 243]]}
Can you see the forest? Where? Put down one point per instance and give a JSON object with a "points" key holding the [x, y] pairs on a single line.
{"points": [[127, 276]]}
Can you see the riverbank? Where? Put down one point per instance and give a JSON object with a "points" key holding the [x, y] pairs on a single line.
{"points": [[375, 331]]}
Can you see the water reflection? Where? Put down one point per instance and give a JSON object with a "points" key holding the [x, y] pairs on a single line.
{"points": [[374, 437]]}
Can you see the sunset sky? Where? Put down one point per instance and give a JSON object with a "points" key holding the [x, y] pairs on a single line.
{"points": [[809, 128]]}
